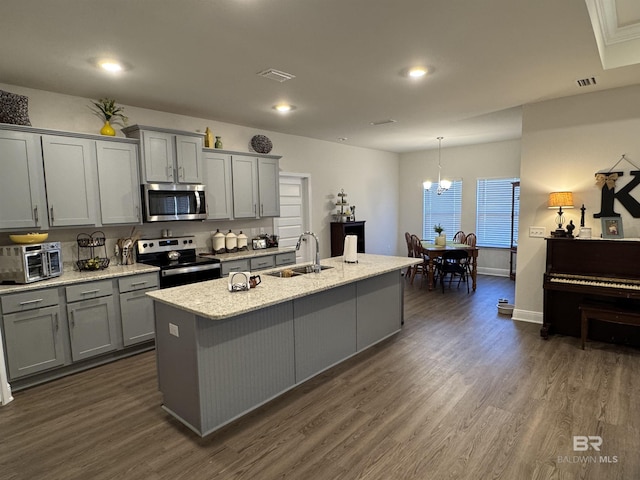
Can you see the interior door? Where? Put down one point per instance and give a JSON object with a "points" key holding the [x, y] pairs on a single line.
{"points": [[295, 216]]}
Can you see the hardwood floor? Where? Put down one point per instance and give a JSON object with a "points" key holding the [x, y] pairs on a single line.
{"points": [[461, 392]]}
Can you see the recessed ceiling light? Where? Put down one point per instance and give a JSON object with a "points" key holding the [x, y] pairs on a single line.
{"points": [[417, 72], [111, 66], [343, 139], [284, 107]]}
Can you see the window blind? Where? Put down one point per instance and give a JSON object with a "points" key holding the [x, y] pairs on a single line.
{"points": [[442, 209], [493, 212]]}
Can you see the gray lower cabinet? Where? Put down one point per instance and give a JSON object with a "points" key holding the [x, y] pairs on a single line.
{"points": [[288, 258], [92, 329], [261, 263], [136, 308], [33, 341], [235, 266], [325, 330]]}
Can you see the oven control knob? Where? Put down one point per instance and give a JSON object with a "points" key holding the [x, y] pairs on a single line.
{"points": [[144, 245], [190, 241], [151, 244]]}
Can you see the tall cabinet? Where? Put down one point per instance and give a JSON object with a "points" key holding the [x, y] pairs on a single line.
{"points": [[339, 230]]}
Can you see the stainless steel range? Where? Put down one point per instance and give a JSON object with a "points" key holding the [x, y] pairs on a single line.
{"points": [[179, 264]]}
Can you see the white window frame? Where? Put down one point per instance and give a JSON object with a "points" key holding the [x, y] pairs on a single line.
{"points": [[445, 209], [493, 212]]}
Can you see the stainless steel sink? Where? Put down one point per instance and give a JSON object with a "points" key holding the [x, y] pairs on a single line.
{"points": [[296, 271]]}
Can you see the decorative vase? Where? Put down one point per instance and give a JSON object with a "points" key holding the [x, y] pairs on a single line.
{"points": [[107, 129], [441, 240], [208, 138], [218, 142]]}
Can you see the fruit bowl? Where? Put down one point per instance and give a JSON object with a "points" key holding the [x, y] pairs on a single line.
{"points": [[29, 238]]}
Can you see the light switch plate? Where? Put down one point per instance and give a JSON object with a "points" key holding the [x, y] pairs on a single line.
{"points": [[537, 232]]}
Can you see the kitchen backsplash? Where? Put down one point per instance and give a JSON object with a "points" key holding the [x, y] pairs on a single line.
{"points": [[201, 230]]}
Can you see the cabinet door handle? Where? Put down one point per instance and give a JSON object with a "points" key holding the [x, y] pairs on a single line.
{"points": [[169, 172], [138, 212], [28, 302], [52, 217], [262, 209], [73, 321], [35, 214], [135, 284], [180, 172], [86, 292], [55, 322], [254, 208]]}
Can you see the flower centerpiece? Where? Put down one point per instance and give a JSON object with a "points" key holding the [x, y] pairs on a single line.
{"points": [[441, 239], [108, 111]]}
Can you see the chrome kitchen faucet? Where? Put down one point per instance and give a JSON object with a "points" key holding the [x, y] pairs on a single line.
{"points": [[316, 265]]}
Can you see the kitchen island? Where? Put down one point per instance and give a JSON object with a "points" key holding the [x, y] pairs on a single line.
{"points": [[222, 354]]}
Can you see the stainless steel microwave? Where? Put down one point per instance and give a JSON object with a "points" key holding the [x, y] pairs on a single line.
{"points": [[30, 263], [164, 202]]}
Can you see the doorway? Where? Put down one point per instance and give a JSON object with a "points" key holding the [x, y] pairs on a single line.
{"points": [[295, 213]]}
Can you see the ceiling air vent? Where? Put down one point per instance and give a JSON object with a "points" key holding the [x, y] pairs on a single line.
{"points": [[383, 122], [586, 82], [277, 75]]}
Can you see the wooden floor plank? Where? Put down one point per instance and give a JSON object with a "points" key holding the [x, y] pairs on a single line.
{"points": [[460, 392]]}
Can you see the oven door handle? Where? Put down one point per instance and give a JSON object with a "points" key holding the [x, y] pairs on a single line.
{"points": [[198, 268]]}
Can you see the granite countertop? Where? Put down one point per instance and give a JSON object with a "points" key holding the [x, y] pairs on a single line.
{"points": [[70, 276], [226, 257], [212, 299]]}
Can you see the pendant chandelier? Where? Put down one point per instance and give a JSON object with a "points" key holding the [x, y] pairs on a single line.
{"points": [[443, 185]]}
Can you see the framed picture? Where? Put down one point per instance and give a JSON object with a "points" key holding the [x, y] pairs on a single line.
{"points": [[612, 227]]}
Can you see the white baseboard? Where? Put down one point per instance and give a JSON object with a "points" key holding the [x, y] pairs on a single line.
{"points": [[496, 272], [527, 316]]}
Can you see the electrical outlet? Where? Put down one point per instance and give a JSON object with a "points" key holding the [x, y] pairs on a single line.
{"points": [[173, 330], [261, 230], [537, 232]]}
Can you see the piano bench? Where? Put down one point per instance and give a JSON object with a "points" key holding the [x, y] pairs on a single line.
{"points": [[605, 314]]}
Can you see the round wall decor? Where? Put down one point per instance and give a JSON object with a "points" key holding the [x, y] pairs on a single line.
{"points": [[261, 144]]}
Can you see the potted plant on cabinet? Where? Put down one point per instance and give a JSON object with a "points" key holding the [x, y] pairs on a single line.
{"points": [[108, 111]]}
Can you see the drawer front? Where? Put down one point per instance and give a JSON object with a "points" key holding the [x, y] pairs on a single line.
{"points": [[234, 266], [138, 282], [260, 263], [288, 258], [89, 290], [19, 302]]}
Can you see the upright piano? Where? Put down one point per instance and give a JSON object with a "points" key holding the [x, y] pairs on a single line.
{"points": [[602, 273]]}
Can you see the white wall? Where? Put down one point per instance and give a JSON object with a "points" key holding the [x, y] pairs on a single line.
{"points": [[369, 177], [564, 143], [468, 163]]}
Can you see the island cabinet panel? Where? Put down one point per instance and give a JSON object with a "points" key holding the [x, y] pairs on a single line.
{"points": [[379, 308], [325, 330], [216, 371], [177, 359]]}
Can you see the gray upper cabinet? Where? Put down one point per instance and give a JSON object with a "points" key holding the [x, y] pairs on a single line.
{"points": [[255, 187], [216, 169], [118, 182], [69, 165], [168, 156], [269, 187], [22, 200], [245, 186]]}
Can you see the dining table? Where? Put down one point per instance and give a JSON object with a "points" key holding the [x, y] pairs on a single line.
{"points": [[431, 251]]}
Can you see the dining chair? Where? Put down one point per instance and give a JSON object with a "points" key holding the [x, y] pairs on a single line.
{"points": [[470, 240], [418, 252], [459, 237], [407, 237], [454, 263]]}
